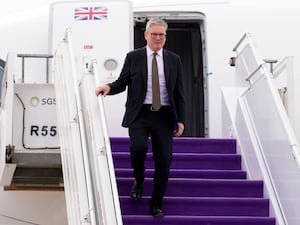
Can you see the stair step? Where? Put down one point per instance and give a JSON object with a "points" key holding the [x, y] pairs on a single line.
{"points": [[206, 186], [189, 173], [205, 206], [188, 145], [199, 187], [197, 220], [187, 161]]}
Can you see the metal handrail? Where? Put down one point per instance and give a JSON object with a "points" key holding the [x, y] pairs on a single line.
{"points": [[94, 69], [45, 56], [253, 73], [293, 145], [240, 42]]}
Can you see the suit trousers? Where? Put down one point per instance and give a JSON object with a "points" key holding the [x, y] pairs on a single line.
{"points": [[156, 126]]}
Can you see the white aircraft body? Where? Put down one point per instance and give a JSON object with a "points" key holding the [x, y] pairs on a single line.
{"points": [[35, 27]]}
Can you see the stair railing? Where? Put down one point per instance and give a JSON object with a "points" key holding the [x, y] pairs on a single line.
{"points": [[78, 189], [47, 58], [264, 133], [90, 184], [105, 150], [287, 84]]}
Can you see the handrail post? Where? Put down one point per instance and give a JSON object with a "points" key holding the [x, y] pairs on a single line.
{"points": [[271, 62]]}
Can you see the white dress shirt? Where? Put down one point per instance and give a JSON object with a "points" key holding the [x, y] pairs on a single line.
{"points": [[164, 98]]}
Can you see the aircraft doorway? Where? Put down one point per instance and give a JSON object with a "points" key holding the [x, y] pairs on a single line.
{"points": [[184, 37]]}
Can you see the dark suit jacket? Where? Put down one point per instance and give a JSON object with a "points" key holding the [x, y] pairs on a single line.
{"points": [[134, 75]]}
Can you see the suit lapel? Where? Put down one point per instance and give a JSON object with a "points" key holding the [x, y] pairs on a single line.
{"points": [[166, 65], [144, 66]]}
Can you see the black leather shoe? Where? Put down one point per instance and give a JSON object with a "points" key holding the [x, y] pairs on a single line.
{"points": [[137, 191], [156, 212]]}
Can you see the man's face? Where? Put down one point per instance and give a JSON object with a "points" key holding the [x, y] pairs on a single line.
{"points": [[155, 37]]}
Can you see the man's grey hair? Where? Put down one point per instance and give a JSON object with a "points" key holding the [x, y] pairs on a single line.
{"points": [[156, 21]]}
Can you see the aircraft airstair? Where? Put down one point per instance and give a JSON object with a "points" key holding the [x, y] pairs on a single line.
{"points": [[254, 114], [31, 159], [79, 162]]}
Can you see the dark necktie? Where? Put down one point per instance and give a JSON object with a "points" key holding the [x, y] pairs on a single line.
{"points": [[155, 85]]}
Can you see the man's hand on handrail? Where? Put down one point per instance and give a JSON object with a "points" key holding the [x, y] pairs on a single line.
{"points": [[104, 90]]}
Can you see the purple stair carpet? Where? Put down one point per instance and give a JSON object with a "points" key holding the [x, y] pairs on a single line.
{"points": [[206, 186]]}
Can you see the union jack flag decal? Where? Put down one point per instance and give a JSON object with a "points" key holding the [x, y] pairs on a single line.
{"points": [[90, 13]]}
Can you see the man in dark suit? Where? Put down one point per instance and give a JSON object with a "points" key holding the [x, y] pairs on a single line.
{"points": [[148, 115]]}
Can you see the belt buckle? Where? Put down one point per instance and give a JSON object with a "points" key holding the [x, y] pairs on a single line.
{"points": [[153, 109]]}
